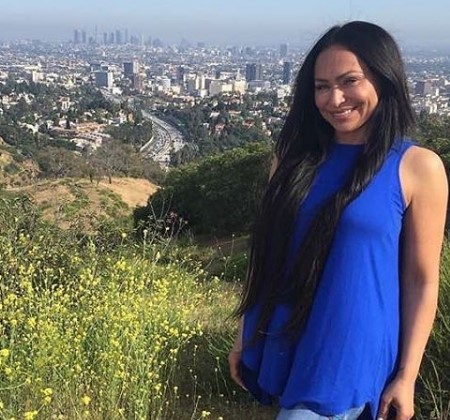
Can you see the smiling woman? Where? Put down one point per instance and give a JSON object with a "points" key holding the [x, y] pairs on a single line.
{"points": [[343, 278]]}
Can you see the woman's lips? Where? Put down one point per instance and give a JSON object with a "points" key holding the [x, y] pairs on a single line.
{"points": [[342, 114]]}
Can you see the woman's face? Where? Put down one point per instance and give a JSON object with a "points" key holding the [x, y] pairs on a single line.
{"points": [[345, 93]]}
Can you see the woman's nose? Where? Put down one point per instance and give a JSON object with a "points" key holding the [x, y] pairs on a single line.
{"points": [[336, 96]]}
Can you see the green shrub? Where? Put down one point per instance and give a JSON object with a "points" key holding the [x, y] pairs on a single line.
{"points": [[219, 194]]}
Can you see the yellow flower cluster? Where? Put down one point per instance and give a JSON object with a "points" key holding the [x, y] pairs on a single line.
{"points": [[82, 332]]}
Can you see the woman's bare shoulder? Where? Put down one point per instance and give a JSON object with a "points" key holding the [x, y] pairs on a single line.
{"points": [[421, 169]]}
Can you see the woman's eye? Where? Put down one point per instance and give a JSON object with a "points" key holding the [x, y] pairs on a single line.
{"points": [[321, 88], [350, 81]]}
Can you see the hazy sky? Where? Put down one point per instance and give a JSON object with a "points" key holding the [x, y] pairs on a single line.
{"points": [[412, 22]]}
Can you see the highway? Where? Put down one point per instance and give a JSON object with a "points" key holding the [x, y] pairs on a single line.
{"points": [[166, 138]]}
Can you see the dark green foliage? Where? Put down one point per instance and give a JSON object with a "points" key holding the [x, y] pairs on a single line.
{"points": [[206, 134], [216, 195], [56, 162], [135, 134], [433, 132]]}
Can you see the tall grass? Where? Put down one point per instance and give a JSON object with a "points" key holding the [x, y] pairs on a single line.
{"points": [[85, 334], [120, 331], [434, 382]]}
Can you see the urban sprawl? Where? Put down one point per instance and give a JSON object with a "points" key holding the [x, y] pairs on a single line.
{"points": [[136, 69]]}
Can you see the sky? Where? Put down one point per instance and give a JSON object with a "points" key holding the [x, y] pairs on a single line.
{"points": [[422, 23]]}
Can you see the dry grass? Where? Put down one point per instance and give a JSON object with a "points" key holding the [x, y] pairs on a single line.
{"points": [[134, 192], [68, 199]]}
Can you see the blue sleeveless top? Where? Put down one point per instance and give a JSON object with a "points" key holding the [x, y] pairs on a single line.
{"points": [[349, 349]]}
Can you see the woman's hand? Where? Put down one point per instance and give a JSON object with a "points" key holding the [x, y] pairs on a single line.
{"points": [[234, 359], [398, 395]]}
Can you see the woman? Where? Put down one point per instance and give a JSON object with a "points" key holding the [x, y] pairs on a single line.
{"points": [[343, 278]]}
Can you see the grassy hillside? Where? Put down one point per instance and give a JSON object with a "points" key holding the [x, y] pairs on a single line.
{"points": [[77, 200], [15, 171]]}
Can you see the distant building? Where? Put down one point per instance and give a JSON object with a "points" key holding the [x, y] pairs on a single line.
{"points": [[287, 72], [165, 83], [239, 86], [83, 37], [157, 43], [219, 86], [103, 79], [258, 85], [36, 76], [201, 81], [192, 84], [283, 50], [423, 87], [253, 72], [130, 68], [76, 36], [137, 82], [180, 74], [64, 103], [105, 38], [118, 37], [95, 67]]}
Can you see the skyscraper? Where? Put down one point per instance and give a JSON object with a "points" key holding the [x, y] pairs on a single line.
{"points": [[136, 82], [180, 74], [118, 37], [287, 72], [130, 68], [83, 37], [76, 36], [253, 71], [283, 50]]}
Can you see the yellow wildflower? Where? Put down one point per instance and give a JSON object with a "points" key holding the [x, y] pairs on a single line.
{"points": [[4, 352], [86, 400], [30, 415]]}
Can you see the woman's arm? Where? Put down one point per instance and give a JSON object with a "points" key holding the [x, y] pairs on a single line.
{"points": [[234, 357], [425, 187], [274, 166]]}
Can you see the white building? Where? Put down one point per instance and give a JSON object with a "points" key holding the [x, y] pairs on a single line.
{"points": [[36, 76], [217, 87], [239, 86]]}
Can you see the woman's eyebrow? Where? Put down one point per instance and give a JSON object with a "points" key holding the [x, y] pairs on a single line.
{"points": [[341, 76]]}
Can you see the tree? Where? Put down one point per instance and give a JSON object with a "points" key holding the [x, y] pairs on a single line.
{"points": [[57, 162], [115, 158]]}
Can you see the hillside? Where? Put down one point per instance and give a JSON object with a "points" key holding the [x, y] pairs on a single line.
{"points": [[12, 172], [68, 200]]}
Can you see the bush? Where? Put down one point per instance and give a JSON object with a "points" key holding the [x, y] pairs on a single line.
{"points": [[216, 195]]}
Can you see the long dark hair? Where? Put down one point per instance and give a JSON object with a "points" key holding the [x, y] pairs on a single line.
{"points": [[301, 148]]}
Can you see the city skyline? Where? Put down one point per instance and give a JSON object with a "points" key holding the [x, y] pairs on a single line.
{"points": [[254, 22]]}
